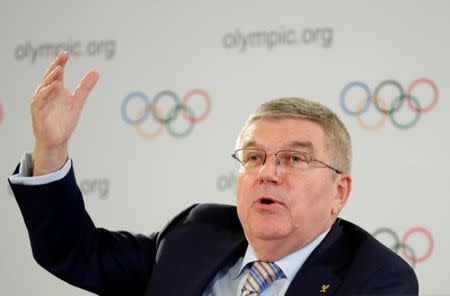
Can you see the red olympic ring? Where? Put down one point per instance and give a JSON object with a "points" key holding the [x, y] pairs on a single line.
{"points": [[1, 113], [150, 108], [187, 96], [430, 248], [435, 94], [412, 101]]}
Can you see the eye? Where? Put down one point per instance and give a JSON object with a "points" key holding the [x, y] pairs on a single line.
{"points": [[294, 158], [253, 157]]}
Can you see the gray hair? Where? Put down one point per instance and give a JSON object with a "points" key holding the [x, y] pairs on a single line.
{"points": [[299, 108]]}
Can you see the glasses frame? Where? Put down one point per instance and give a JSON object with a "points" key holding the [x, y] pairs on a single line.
{"points": [[277, 161]]}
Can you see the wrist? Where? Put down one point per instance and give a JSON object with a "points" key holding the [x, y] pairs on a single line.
{"points": [[47, 160]]}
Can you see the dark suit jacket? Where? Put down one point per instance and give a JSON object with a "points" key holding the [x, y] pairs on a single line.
{"points": [[184, 257]]}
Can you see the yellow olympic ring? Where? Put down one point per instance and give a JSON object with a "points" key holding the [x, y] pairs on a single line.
{"points": [[140, 130], [377, 124]]}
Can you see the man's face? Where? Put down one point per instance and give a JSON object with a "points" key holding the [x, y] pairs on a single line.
{"points": [[291, 207]]}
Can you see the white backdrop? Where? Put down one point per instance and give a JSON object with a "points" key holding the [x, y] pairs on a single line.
{"points": [[240, 53]]}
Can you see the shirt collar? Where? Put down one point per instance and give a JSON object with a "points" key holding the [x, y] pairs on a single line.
{"points": [[289, 264]]}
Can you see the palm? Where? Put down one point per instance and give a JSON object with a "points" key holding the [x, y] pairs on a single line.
{"points": [[55, 111], [55, 121]]}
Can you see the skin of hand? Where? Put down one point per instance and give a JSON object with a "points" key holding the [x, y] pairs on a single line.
{"points": [[55, 113]]}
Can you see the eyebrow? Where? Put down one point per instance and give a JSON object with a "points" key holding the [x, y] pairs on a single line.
{"points": [[305, 145], [302, 144]]}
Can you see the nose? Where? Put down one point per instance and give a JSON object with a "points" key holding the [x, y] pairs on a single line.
{"points": [[270, 171]]}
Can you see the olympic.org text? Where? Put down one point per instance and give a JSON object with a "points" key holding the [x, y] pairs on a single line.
{"points": [[94, 48], [270, 39]]}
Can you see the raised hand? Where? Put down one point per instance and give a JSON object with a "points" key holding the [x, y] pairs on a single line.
{"points": [[55, 113]]}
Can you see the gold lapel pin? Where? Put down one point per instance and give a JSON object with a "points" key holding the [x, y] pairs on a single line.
{"points": [[324, 288]]}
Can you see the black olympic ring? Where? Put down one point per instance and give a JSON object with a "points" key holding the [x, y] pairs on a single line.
{"points": [[401, 95], [180, 106], [397, 103], [407, 250], [172, 115]]}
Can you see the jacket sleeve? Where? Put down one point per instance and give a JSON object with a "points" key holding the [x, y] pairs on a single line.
{"points": [[65, 241]]}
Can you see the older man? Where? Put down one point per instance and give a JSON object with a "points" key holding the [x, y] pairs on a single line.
{"points": [[283, 238]]}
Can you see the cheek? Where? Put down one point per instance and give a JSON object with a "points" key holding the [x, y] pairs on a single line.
{"points": [[241, 200], [241, 188], [310, 199], [244, 192]]}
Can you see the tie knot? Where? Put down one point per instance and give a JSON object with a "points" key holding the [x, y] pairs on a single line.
{"points": [[261, 275]]}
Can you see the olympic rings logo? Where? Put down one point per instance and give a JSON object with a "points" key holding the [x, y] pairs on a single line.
{"points": [[388, 110], [408, 252], [150, 109]]}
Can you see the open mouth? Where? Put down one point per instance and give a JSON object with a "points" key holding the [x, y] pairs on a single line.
{"points": [[266, 201], [267, 204]]}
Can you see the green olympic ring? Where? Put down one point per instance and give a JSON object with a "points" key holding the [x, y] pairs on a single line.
{"points": [[394, 107], [412, 257], [396, 102], [151, 109], [172, 114], [407, 251]]}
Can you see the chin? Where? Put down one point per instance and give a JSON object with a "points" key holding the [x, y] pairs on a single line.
{"points": [[269, 231]]}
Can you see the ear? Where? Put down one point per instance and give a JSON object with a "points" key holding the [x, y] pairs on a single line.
{"points": [[343, 188]]}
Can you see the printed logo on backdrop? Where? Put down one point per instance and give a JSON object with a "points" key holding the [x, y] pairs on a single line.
{"points": [[389, 99], [48, 50], [95, 187], [166, 111], [226, 182], [415, 246], [270, 39]]}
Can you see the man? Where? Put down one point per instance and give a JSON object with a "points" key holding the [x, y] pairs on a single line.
{"points": [[283, 238]]}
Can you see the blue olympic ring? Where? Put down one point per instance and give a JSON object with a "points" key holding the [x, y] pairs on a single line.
{"points": [[344, 94], [171, 115], [123, 108], [380, 105]]}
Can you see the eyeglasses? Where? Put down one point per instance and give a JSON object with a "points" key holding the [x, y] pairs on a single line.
{"points": [[253, 159]]}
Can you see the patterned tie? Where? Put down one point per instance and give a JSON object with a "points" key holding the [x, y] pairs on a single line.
{"points": [[261, 275]]}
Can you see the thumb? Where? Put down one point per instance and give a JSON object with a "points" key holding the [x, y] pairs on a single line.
{"points": [[87, 83]]}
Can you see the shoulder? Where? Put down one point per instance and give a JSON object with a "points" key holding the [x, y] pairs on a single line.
{"points": [[207, 215], [374, 264], [365, 245]]}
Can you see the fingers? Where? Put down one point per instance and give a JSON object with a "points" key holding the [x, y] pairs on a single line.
{"points": [[54, 75], [84, 88], [53, 80], [44, 93], [54, 72], [60, 60]]}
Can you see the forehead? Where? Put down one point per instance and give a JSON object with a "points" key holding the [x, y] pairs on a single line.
{"points": [[273, 134]]}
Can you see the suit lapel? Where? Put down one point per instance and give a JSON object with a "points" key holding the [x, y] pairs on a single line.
{"points": [[321, 274], [188, 259], [191, 259], [316, 281]]}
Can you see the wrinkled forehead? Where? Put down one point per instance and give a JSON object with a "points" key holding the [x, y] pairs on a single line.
{"points": [[277, 134]]}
